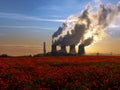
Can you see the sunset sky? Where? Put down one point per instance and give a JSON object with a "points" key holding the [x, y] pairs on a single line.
{"points": [[26, 24]]}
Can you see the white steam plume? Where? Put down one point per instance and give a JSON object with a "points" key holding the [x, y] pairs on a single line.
{"points": [[88, 27]]}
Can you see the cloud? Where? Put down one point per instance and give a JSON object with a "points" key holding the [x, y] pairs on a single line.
{"points": [[20, 46], [98, 2], [54, 8], [56, 16], [114, 30], [114, 26], [25, 17], [27, 27]]}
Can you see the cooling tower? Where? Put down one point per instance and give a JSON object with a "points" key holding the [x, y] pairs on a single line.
{"points": [[72, 49], [81, 50], [54, 49], [44, 48], [63, 49]]}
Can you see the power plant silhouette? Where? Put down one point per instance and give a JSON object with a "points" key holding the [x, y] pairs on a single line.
{"points": [[72, 51], [63, 50], [84, 29]]}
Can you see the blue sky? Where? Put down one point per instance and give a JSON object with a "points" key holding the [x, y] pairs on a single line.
{"points": [[27, 23]]}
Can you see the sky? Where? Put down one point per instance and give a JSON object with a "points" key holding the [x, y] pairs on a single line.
{"points": [[26, 24]]}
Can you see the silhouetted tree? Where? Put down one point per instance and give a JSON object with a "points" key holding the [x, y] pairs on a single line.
{"points": [[4, 55]]}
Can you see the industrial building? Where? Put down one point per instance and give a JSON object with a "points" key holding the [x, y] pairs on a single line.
{"points": [[81, 50]]}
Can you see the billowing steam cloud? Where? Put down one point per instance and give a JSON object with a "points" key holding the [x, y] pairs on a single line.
{"points": [[88, 27]]}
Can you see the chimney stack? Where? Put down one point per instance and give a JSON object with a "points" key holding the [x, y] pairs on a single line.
{"points": [[44, 48], [72, 49], [81, 50], [63, 49]]}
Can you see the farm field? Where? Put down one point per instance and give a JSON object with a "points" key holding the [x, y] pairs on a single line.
{"points": [[60, 73]]}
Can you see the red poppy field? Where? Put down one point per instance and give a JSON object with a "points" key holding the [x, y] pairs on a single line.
{"points": [[60, 73]]}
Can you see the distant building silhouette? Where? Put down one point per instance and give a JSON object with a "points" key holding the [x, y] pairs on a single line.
{"points": [[81, 50]]}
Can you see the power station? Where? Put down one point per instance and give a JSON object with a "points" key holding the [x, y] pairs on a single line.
{"points": [[63, 50], [72, 51], [82, 30]]}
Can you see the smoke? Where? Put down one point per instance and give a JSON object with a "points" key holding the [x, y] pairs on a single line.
{"points": [[88, 27]]}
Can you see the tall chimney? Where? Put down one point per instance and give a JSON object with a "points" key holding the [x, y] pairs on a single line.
{"points": [[44, 48], [81, 50], [63, 49], [72, 49]]}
